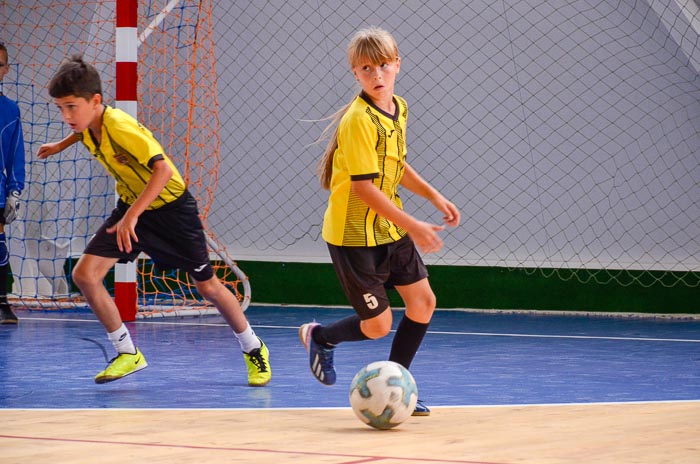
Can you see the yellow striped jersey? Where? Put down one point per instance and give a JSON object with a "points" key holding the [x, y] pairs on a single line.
{"points": [[371, 145], [127, 150]]}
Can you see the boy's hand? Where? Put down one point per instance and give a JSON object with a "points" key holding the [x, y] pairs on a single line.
{"points": [[11, 207], [126, 231], [48, 149]]}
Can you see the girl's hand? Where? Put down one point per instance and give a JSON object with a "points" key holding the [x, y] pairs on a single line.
{"points": [[450, 211], [48, 149], [425, 236]]}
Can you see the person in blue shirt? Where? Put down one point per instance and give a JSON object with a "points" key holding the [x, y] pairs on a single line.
{"points": [[11, 181]]}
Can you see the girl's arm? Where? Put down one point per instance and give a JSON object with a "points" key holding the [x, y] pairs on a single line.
{"points": [[423, 234], [49, 149], [416, 184]]}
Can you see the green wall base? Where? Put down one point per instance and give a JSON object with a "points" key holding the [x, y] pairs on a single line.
{"points": [[477, 287]]}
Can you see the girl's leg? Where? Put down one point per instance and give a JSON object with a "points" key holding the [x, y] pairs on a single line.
{"points": [[420, 304], [320, 341], [352, 329]]}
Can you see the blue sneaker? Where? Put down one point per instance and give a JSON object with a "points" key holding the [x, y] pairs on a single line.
{"points": [[421, 409], [320, 358]]}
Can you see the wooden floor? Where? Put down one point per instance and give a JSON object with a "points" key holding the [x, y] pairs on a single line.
{"points": [[593, 433]]}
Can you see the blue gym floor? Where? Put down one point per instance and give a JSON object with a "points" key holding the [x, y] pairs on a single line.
{"points": [[467, 358]]}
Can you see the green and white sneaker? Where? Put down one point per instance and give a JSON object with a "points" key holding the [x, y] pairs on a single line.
{"points": [[123, 365], [258, 364]]}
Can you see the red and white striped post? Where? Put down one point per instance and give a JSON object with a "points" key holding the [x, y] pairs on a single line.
{"points": [[125, 295]]}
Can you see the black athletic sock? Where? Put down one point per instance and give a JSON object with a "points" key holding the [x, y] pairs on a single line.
{"points": [[345, 330], [409, 335], [4, 273]]}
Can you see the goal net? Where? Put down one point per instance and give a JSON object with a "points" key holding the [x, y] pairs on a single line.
{"points": [[567, 132], [68, 196]]}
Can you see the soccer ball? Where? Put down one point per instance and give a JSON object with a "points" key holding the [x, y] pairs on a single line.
{"points": [[383, 394]]}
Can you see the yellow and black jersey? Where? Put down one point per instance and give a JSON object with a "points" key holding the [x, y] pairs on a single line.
{"points": [[371, 145], [128, 150]]}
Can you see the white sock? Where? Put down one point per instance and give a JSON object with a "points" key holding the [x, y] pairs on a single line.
{"points": [[248, 340], [121, 339]]}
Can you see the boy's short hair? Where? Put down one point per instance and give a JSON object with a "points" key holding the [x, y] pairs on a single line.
{"points": [[75, 78], [3, 48]]}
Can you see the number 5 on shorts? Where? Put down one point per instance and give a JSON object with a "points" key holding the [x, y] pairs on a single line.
{"points": [[371, 300]]}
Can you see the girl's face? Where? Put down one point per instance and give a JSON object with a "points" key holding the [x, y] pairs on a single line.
{"points": [[80, 113], [377, 80]]}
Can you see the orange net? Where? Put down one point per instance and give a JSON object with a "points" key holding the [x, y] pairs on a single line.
{"points": [[68, 197], [178, 102]]}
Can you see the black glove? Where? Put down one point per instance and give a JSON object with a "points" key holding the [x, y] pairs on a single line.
{"points": [[11, 207]]}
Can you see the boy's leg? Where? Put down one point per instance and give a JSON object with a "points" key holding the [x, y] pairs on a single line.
{"points": [[254, 350], [88, 275]]}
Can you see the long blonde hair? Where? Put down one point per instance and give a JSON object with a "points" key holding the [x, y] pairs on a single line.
{"points": [[376, 46]]}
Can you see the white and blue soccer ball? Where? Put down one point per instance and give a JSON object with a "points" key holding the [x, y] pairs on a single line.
{"points": [[383, 394]]}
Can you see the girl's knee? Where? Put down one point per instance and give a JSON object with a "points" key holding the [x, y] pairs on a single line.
{"points": [[379, 326], [424, 302], [430, 301], [422, 309]]}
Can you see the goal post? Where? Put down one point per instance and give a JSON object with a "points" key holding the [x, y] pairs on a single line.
{"points": [[163, 76]]}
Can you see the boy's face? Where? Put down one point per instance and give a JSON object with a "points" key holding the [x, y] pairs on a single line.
{"points": [[80, 113], [4, 67]]}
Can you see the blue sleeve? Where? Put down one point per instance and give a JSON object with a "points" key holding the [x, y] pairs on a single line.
{"points": [[13, 158]]}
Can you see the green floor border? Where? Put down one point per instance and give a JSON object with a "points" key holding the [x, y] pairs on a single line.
{"points": [[492, 288]]}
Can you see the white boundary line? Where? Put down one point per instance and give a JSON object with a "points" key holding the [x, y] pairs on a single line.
{"points": [[471, 406], [436, 332]]}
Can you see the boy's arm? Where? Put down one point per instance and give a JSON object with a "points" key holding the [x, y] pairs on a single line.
{"points": [[423, 234], [52, 148], [416, 184], [126, 227]]}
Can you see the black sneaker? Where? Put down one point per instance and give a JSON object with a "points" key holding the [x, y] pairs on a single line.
{"points": [[7, 316], [421, 409]]}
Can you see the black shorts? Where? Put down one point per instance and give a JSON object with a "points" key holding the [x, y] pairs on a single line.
{"points": [[366, 272], [172, 235]]}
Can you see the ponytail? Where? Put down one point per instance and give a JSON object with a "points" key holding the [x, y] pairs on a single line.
{"points": [[324, 168]]}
